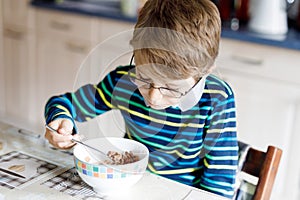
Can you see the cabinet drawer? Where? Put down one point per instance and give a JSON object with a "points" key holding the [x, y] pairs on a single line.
{"points": [[15, 12], [113, 33], [274, 63], [64, 24]]}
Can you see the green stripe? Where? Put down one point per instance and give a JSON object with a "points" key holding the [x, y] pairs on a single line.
{"points": [[186, 149], [214, 148], [164, 161], [167, 139], [220, 183], [197, 182], [82, 109], [210, 157], [224, 121], [222, 112], [105, 89], [159, 112], [230, 193]]}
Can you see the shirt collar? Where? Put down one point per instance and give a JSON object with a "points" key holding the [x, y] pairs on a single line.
{"points": [[192, 97]]}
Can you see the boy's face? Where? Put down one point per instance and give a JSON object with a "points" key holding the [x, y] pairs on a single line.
{"points": [[158, 98]]}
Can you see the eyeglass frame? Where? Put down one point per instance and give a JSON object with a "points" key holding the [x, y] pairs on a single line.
{"points": [[151, 85]]}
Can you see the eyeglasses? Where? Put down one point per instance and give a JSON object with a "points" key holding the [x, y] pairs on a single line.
{"points": [[143, 84]]}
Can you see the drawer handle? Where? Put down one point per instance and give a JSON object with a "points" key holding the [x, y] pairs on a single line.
{"points": [[13, 34], [77, 48], [60, 26], [247, 60]]}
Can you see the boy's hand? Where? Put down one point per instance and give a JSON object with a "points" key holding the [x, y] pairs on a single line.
{"points": [[62, 140]]}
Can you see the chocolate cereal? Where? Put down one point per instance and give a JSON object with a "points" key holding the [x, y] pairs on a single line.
{"points": [[121, 159]]}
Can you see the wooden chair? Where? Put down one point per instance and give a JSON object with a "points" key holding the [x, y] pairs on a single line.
{"points": [[264, 166]]}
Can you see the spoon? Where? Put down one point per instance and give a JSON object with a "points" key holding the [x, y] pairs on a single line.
{"points": [[82, 143]]}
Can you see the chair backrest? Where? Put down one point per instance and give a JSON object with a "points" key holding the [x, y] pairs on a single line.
{"points": [[263, 165]]}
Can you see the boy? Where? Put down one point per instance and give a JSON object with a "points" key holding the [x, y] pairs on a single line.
{"points": [[168, 100]]}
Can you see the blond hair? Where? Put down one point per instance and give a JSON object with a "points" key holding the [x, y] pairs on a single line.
{"points": [[182, 35]]}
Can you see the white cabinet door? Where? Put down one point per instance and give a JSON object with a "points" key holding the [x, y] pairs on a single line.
{"points": [[106, 30], [292, 181], [264, 110], [17, 13], [111, 39], [267, 87], [59, 61], [63, 42], [266, 116], [19, 71], [279, 64], [19, 63]]}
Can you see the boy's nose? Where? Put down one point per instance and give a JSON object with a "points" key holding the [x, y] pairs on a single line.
{"points": [[154, 95]]}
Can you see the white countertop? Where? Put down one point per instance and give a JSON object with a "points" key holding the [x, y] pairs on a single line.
{"points": [[150, 187]]}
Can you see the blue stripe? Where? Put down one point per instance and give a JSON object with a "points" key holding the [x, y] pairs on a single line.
{"points": [[87, 102], [153, 128]]}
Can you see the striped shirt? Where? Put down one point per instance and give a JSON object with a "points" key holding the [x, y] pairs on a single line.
{"points": [[197, 147]]}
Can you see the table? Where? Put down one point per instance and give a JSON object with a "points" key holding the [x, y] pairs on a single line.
{"points": [[57, 173]]}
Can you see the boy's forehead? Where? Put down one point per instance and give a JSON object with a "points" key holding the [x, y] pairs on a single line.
{"points": [[158, 76]]}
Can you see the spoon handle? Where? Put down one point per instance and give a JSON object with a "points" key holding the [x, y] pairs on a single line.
{"points": [[50, 128], [84, 144], [79, 142]]}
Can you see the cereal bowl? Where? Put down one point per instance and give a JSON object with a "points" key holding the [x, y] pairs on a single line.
{"points": [[107, 178]]}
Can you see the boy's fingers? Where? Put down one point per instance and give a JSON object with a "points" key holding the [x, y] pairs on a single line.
{"points": [[66, 145], [59, 140], [66, 127], [64, 142], [54, 124], [63, 138]]}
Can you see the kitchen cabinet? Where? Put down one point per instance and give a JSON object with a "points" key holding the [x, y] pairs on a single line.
{"points": [[111, 46], [18, 13], [267, 93], [107, 31], [63, 42], [293, 178], [65, 60], [111, 49], [19, 63]]}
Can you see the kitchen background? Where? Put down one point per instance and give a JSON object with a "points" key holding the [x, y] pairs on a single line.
{"points": [[44, 42]]}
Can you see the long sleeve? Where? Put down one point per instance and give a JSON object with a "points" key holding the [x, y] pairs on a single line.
{"points": [[220, 146], [86, 103]]}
